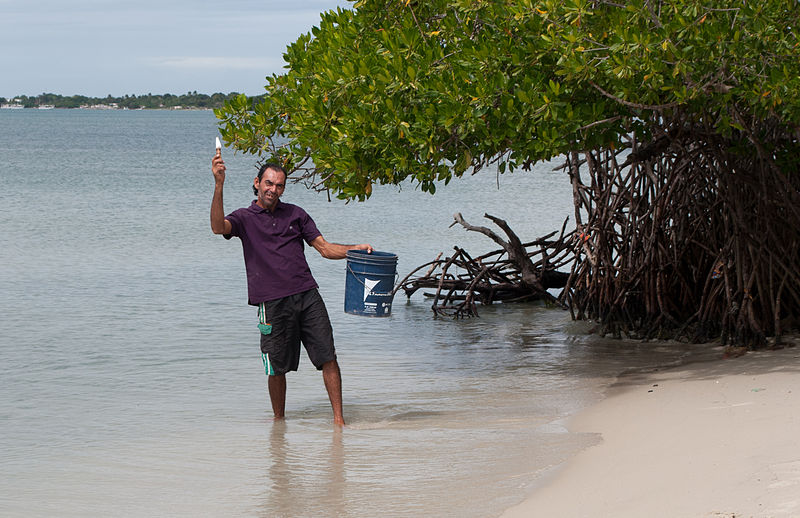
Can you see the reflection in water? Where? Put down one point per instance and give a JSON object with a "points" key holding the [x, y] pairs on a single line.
{"points": [[279, 481], [307, 478], [334, 494]]}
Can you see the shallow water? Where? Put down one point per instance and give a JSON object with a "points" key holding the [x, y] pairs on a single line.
{"points": [[132, 382]]}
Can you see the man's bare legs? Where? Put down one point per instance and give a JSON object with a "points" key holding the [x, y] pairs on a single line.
{"points": [[333, 384], [277, 394]]}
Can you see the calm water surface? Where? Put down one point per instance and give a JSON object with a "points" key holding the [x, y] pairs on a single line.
{"points": [[131, 377]]}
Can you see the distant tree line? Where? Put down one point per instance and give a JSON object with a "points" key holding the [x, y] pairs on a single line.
{"points": [[132, 102]]}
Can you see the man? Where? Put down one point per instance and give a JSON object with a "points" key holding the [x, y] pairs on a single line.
{"points": [[280, 283]]}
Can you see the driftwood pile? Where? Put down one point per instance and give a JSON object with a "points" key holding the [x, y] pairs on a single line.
{"points": [[516, 272]]}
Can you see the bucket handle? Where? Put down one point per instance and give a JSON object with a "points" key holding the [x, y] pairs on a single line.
{"points": [[388, 293]]}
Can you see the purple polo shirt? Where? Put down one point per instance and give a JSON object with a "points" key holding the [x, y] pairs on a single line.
{"points": [[274, 255]]}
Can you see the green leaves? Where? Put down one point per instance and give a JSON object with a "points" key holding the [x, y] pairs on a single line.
{"points": [[425, 91]]}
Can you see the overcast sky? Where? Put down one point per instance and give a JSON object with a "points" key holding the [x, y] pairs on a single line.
{"points": [[118, 47]]}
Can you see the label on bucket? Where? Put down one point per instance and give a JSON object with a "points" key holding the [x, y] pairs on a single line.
{"points": [[376, 308], [369, 283]]}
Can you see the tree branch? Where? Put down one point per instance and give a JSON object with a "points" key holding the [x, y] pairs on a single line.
{"points": [[654, 107]]}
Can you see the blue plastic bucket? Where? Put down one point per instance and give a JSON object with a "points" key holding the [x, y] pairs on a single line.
{"points": [[369, 283]]}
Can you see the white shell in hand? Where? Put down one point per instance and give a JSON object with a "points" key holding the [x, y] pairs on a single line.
{"points": [[219, 146]]}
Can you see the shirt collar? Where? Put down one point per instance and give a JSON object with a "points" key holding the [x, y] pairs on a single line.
{"points": [[255, 207]]}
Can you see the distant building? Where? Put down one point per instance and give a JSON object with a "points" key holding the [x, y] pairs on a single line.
{"points": [[109, 106]]}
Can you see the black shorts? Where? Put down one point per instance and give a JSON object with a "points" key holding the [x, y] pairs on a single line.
{"points": [[294, 319]]}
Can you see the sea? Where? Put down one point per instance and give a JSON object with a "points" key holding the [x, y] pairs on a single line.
{"points": [[131, 381]]}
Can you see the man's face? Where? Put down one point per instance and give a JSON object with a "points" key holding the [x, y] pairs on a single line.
{"points": [[270, 188]]}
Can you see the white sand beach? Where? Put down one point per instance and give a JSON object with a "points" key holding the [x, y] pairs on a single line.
{"points": [[711, 439]]}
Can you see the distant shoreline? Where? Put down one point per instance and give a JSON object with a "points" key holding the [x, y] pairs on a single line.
{"points": [[187, 101], [102, 108]]}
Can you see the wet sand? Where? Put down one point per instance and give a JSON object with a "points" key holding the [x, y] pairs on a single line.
{"points": [[717, 438]]}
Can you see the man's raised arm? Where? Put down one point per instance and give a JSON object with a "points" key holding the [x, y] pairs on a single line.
{"points": [[219, 225]]}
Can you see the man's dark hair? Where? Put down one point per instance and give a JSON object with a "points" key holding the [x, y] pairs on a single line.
{"points": [[274, 167]]}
